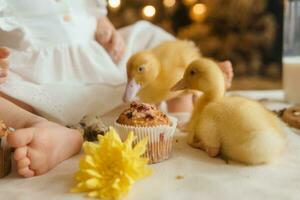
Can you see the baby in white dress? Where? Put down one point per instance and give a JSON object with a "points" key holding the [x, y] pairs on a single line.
{"points": [[66, 60]]}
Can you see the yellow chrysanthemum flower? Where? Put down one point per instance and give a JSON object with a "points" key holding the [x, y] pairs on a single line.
{"points": [[109, 169]]}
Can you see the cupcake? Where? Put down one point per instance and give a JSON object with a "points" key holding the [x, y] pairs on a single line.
{"points": [[5, 162], [146, 120]]}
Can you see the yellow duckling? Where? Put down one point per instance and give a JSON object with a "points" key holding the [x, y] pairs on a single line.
{"points": [[152, 73], [239, 128]]}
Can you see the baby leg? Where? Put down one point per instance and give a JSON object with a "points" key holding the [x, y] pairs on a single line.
{"points": [[4, 66], [181, 104], [39, 144], [18, 103]]}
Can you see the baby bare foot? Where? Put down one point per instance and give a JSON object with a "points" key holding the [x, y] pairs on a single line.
{"points": [[42, 146]]}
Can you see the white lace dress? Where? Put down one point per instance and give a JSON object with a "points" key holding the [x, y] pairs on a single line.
{"points": [[56, 65]]}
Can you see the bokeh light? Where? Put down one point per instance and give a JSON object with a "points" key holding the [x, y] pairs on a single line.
{"points": [[149, 11], [169, 3], [198, 11], [114, 3]]}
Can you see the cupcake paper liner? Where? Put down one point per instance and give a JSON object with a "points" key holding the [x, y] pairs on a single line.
{"points": [[160, 139]]}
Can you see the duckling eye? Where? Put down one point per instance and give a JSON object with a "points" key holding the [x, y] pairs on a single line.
{"points": [[141, 69], [192, 72]]}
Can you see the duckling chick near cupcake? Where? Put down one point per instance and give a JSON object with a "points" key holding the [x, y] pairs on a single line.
{"points": [[153, 72], [238, 128]]}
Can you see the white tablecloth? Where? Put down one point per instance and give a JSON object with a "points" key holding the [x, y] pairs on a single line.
{"points": [[203, 177]]}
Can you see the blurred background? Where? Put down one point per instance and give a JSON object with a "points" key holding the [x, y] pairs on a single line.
{"points": [[247, 32]]}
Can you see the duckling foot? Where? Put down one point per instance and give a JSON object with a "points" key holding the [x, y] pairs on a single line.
{"points": [[197, 145], [212, 151], [224, 158]]}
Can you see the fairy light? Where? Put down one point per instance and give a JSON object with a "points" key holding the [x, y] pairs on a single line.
{"points": [[149, 11], [197, 11], [169, 3], [114, 3]]}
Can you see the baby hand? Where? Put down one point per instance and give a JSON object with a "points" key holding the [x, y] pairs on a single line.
{"points": [[227, 69], [110, 39], [4, 53]]}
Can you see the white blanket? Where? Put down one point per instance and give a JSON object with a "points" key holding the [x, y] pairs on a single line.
{"points": [[202, 177]]}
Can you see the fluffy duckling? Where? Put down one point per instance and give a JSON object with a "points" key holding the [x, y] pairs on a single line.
{"points": [[239, 128], [152, 73]]}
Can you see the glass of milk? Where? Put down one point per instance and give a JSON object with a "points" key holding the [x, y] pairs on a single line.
{"points": [[291, 54]]}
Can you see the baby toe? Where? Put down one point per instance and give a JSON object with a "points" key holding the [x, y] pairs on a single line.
{"points": [[29, 174], [3, 72], [20, 153], [25, 162], [4, 52], [4, 64], [38, 163], [21, 137], [2, 80], [26, 172]]}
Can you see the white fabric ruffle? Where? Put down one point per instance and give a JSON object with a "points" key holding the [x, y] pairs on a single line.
{"points": [[62, 71], [67, 64], [65, 82]]}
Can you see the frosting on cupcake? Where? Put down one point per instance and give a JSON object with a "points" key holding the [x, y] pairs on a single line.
{"points": [[143, 115]]}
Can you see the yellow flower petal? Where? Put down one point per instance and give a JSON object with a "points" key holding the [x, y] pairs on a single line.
{"points": [[129, 141], [141, 147], [93, 194], [93, 173], [87, 161], [90, 147], [109, 169], [92, 183]]}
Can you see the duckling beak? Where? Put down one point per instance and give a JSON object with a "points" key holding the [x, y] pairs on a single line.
{"points": [[131, 91], [180, 85]]}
